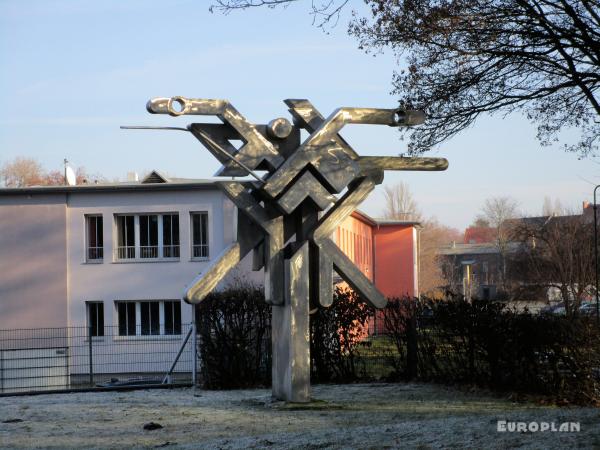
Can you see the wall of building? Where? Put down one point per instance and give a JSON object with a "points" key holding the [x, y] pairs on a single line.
{"points": [[355, 239], [139, 280], [33, 262], [396, 263], [386, 252]]}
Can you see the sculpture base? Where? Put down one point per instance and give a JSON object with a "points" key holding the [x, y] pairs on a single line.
{"points": [[290, 333]]}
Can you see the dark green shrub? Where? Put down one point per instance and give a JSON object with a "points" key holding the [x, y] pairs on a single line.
{"points": [[336, 335], [234, 339], [449, 341], [485, 343]]}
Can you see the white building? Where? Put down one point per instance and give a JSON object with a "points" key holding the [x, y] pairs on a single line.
{"points": [[113, 260], [110, 259], [119, 254]]}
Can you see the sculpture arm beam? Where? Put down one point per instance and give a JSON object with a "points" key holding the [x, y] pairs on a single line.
{"points": [[357, 192], [373, 116], [179, 106], [256, 148], [352, 274], [400, 163], [204, 283], [326, 134]]}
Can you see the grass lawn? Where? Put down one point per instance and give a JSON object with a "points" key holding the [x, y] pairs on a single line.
{"points": [[345, 416]]}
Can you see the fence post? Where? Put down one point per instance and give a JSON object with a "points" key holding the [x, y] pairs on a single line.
{"points": [[194, 347], [91, 358], [471, 348], [411, 346]]}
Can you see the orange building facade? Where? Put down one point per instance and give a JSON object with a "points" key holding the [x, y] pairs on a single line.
{"points": [[384, 250]]}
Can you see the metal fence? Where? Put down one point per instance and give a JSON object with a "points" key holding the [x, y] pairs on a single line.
{"points": [[43, 359]]}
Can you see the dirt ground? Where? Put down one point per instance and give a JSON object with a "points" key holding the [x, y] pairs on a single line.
{"points": [[343, 416]]}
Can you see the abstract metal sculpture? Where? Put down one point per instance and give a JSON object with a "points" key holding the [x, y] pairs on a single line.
{"points": [[286, 217]]}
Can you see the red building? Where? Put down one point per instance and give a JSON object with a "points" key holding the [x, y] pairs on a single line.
{"points": [[385, 251]]}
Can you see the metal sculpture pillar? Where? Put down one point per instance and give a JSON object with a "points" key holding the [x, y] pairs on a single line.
{"points": [[287, 216]]}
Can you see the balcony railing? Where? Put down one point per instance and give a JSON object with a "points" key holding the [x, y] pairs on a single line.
{"points": [[95, 253], [126, 252], [170, 251], [200, 251], [149, 251]]}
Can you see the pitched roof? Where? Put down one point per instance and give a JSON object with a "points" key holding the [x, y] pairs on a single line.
{"points": [[475, 249], [155, 177], [360, 215]]}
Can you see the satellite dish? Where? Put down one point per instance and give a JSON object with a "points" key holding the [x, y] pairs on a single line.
{"points": [[70, 176]]}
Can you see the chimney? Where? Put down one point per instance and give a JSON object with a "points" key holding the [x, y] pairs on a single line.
{"points": [[132, 176]]}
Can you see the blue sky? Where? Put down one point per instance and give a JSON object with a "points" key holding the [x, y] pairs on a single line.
{"points": [[73, 71]]}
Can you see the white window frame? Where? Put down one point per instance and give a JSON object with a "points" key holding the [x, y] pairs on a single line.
{"points": [[137, 255], [98, 249], [127, 248], [173, 248], [207, 238], [88, 313], [138, 320]]}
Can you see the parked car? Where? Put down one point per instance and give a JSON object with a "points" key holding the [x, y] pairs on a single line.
{"points": [[558, 309], [588, 309]]}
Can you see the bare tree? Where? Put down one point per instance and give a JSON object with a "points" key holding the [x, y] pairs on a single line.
{"points": [[432, 236], [472, 57], [399, 203], [498, 212], [22, 172], [326, 13], [480, 222], [466, 58], [556, 252], [552, 209]]}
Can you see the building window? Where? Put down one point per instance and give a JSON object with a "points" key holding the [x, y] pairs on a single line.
{"points": [[170, 235], [173, 317], [95, 247], [147, 236], [95, 315], [149, 318], [199, 235], [127, 318], [125, 237]]}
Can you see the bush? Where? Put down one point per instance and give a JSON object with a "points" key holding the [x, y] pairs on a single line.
{"points": [[450, 341], [234, 339], [485, 343], [336, 333]]}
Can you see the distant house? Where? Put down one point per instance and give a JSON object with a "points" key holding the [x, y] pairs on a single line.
{"points": [[479, 235], [473, 270]]}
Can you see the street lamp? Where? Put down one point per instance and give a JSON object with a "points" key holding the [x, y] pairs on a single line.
{"points": [[596, 253]]}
